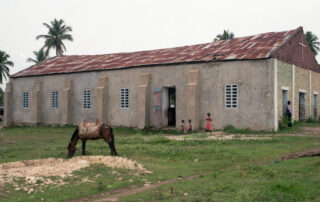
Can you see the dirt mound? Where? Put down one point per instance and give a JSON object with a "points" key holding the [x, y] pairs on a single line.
{"points": [[309, 153], [35, 171], [218, 136]]}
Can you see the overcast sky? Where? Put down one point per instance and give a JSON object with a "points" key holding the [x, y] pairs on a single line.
{"points": [[108, 26]]}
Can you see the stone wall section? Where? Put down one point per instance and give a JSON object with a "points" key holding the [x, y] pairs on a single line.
{"points": [[284, 81], [315, 89], [203, 83], [302, 84]]}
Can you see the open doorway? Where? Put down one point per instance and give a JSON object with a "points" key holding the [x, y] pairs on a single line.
{"points": [[172, 106], [302, 108], [284, 102]]}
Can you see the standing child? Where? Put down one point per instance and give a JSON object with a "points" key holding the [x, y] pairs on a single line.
{"points": [[189, 128], [183, 127], [209, 127]]}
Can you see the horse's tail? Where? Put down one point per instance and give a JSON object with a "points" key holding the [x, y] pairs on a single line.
{"points": [[75, 133], [112, 137]]}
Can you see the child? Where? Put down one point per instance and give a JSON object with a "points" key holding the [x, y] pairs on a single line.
{"points": [[209, 127], [183, 127], [189, 128]]}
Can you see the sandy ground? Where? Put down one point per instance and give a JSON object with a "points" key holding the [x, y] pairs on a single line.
{"points": [[218, 136], [40, 171]]}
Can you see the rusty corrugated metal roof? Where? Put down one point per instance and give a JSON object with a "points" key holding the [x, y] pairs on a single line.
{"points": [[244, 48]]}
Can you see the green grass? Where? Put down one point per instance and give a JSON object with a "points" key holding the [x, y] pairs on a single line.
{"points": [[234, 170], [295, 129]]}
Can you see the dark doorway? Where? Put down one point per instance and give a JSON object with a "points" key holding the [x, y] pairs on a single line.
{"points": [[284, 102], [302, 109], [315, 107], [172, 107]]}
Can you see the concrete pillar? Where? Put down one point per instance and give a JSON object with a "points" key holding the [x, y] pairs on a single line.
{"points": [[102, 101], [66, 103], [8, 102], [36, 103], [143, 101], [192, 99]]}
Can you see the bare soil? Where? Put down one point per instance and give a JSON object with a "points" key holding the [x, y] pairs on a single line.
{"points": [[305, 153], [219, 135], [40, 170]]}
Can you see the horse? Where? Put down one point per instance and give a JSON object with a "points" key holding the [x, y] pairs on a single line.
{"points": [[105, 132]]}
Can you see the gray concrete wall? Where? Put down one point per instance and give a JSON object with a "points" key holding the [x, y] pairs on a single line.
{"points": [[254, 78]]}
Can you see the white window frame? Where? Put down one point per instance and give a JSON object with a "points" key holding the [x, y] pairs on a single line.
{"points": [[285, 88], [231, 94], [86, 99], [54, 99], [124, 98], [25, 100]]}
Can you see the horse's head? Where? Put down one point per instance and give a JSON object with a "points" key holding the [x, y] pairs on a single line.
{"points": [[71, 150]]}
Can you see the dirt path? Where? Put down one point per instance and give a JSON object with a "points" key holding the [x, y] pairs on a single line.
{"points": [[114, 195]]}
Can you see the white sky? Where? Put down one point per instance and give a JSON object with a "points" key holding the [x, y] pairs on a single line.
{"points": [[108, 26]]}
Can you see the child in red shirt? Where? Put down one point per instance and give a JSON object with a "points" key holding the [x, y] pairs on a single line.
{"points": [[209, 127]]}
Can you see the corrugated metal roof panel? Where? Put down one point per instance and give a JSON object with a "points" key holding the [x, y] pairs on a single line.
{"points": [[245, 48]]}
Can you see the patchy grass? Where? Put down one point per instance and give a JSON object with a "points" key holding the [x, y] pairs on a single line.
{"points": [[295, 129], [234, 170]]}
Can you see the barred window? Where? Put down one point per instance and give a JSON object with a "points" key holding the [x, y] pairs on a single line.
{"points": [[54, 99], [231, 95], [25, 100], [124, 103], [86, 99]]}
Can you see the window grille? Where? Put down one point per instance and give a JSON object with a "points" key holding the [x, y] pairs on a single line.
{"points": [[231, 95], [54, 99], [86, 99], [25, 99], [124, 101]]}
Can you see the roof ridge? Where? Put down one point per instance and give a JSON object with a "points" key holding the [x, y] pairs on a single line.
{"points": [[257, 46]]}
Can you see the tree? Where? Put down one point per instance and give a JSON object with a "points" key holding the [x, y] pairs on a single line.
{"points": [[4, 65], [224, 36], [40, 56], [57, 33], [313, 42], [1, 96]]}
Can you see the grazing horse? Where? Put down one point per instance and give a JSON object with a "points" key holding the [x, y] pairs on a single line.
{"points": [[103, 132]]}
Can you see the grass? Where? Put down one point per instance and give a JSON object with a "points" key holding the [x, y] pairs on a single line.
{"points": [[284, 129], [234, 170]]}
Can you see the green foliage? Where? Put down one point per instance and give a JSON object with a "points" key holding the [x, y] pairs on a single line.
{"points": [[232, 129], [313, 42], [224, 36], [1, 97], [41, 55], [5, 65], [311, 120], [57, 33], [283, 123]]}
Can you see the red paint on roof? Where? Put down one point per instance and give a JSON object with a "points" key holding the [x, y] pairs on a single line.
{"points": [[244, 48]]}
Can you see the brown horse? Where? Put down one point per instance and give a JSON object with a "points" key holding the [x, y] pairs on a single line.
{"points": [[105, 132]]}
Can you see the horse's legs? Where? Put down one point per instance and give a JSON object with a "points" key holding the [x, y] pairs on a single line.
{"points": [[109, 143], [84, 147], [114, 150]]}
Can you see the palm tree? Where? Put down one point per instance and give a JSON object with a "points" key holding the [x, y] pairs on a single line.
{"points": [[313, 42], [4, 65], [40, 56], [226, 35], [57, 33]]}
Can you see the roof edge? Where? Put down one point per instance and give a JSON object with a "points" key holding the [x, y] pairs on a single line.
{"points": [[274, 52], [13, 75]]}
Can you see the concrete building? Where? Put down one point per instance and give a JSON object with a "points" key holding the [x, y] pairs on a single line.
{"points": [[244, 82]]}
